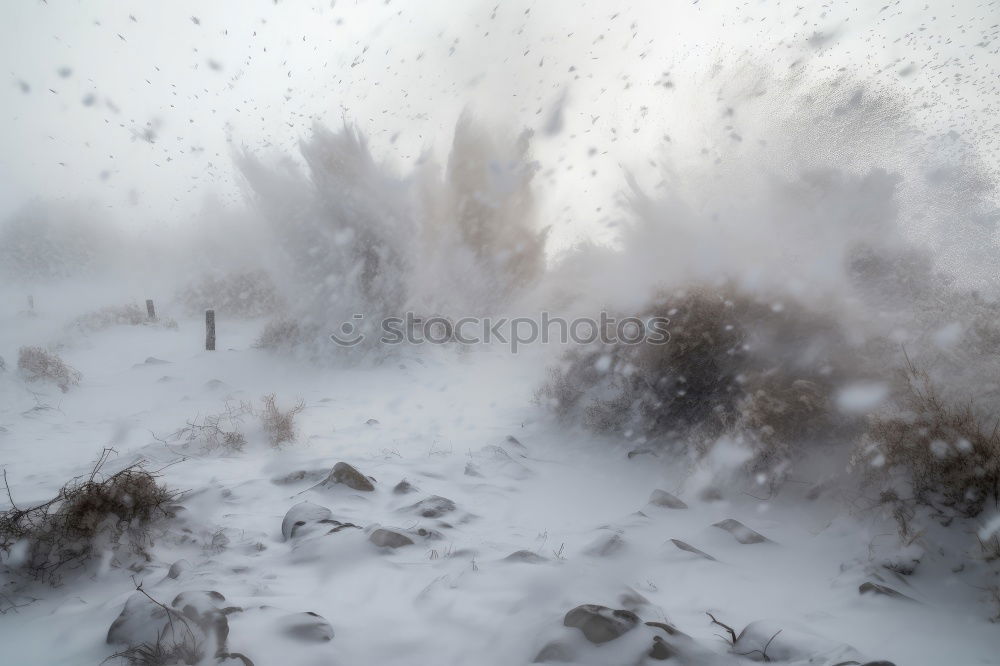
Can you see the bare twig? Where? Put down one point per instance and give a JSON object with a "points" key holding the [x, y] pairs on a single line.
{"points": [[732, 632]]}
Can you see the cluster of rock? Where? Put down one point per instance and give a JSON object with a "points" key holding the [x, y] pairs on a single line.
{"points": [[195, 627], [599, 634]]}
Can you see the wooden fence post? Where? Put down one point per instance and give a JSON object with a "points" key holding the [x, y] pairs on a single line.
{"points": [[31, 303], [210, 330], [150, 310]]}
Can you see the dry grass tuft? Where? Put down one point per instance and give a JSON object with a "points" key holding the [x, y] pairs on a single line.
{"points": [[119, 315], [279, 425], [36, 364], [281, 335], [161, 653], [217, 431]]}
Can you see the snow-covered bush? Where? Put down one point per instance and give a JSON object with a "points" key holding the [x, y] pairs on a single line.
{"points": [[734, 364], [37, 364]]}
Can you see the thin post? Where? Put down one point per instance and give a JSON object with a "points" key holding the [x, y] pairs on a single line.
{"points": [[150, 310], [210, 330], [31, 303]]}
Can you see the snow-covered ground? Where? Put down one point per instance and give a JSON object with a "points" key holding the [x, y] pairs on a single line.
{"points": [[575, 508]]}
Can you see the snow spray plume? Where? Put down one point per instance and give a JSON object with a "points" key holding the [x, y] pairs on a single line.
{"points": [[358, 238], [818, 196]]}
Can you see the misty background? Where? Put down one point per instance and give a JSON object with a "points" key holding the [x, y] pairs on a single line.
{"points": [[134, 110]]}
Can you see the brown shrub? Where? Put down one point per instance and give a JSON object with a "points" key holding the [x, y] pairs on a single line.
{"points": [[733, 362], [279, 425], [36, 364], [64, 532], [281, 335], [224, 430], [932, 451]]}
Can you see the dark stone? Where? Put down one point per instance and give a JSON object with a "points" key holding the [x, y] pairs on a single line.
{"points": [[404, 487], [204, 609], [384, 538], [140, 621], [601, 624], [691, 549], [308, 627], [883, 590], [665, 499], [177, 568], [741, 532], [350, 477], [434, 506], [661, 650]]}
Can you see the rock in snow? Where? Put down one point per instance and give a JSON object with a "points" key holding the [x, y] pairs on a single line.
{"points": [[384, 538], [741, 532], [404, 487], [309, 627], [349, 476], [883, 590], [601, 624], [691, 549], [665, 499], [434, 506], [140, 621], [302, 514]]}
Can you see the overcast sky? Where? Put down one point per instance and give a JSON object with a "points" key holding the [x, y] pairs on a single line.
{"points": [[133, 105]]}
